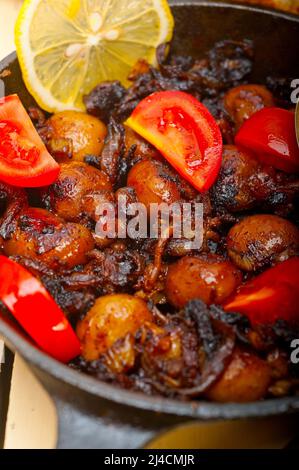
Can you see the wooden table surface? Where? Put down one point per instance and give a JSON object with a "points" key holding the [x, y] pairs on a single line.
{"points": [[31, 418]]}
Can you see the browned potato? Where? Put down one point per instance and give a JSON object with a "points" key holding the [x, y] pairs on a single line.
{"points": [[84, 133], [260, 240], [143, 148], [243, 101], [110, 319], [211, 279], [244, 184], [153, 183], [76, 191], [246, 379], [45, 237], [236, 188]]}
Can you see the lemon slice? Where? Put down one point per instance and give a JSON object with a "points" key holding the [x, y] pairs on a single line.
{"points": [[66, 47]]}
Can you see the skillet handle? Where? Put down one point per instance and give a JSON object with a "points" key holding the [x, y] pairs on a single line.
{"points": [[78, 429], [89, 421], [84, 431]]}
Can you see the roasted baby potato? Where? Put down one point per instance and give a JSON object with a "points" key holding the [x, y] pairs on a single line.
{"points": [[243, 101], [82, 133], [71, 194], [246, 379], [142, 148], [111, 318], [153, 183], [260, 240], [45, 237], [209, 278]]}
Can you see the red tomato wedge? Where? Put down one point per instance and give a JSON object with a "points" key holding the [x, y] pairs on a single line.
{"points": [[185, 133], [36, 311], [271, 134], [24, 159], [271, 296]]}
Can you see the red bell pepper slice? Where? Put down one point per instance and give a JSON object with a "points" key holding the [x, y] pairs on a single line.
{"points": [[271, 134], [271, 296], [24, 159], [36, 311], [185, 133]]}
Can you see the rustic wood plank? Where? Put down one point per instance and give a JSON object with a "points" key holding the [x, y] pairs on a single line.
{"points": [[8, 12], [6, 364], [31, 419]]}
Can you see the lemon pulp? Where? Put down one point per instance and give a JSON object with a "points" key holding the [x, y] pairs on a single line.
{"points": [[67, 47]]}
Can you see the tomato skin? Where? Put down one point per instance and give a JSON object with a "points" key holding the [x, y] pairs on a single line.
{"points": [[36, 311], [271, 296], [184, 131], [24, 159], [271, 134]]}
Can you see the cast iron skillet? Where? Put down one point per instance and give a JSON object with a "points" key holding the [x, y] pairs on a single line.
{"points": [[93, 414]]}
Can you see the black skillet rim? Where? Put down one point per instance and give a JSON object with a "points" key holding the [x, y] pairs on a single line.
{"points": [[193, 409]]}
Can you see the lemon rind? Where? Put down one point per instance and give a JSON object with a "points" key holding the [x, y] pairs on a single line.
{"points": [[41, 94]]}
